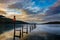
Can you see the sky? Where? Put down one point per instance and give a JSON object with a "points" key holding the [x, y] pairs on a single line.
{"points": [[44, 3], [38, 10], [31, 5], [34, 6]]}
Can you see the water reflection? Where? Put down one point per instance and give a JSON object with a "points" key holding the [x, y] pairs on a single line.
{"points": [[46, 32], [50, 28], [42, 32]]}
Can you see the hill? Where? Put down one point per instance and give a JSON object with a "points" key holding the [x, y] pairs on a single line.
{"points": [[7, 20], [7, 24], [55, 22]]}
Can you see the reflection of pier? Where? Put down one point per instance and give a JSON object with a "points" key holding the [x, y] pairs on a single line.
{"points": [[25, 29]]}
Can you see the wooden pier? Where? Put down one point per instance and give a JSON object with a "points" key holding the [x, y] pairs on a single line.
{"points": [[24, 30]]}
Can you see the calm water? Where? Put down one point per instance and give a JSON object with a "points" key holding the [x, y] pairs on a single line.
{"points": [[50, 28], [45, 32]]}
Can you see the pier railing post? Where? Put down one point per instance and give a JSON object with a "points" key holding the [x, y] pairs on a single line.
{"points": [[27, 29], [14, 27]]}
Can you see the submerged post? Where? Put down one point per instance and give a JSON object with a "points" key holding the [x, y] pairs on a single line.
{"points": [[34, 26], [30, 28], [22, 29]]}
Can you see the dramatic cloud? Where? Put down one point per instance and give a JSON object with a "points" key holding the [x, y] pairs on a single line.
{"points": [[28, 6], [55, 9], [3, 1], [52, 18], [53, 14], [23, 3], [7, 1], [39, 9], [33, 6]]}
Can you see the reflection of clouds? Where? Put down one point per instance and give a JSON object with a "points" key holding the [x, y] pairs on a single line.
{"points": [[6, 35], [49, 28]]}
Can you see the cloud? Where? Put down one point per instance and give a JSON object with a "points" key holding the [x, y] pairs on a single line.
{"points": [[31, 12], [55, 9], [53, 13], [2, 5], [22, 3], [17, 5], [3, 1], [52, 18], [34, 9], [7, 1], [30, 5]]}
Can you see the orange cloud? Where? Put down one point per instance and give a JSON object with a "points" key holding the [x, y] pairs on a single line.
{"points": [[2, 5]]}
